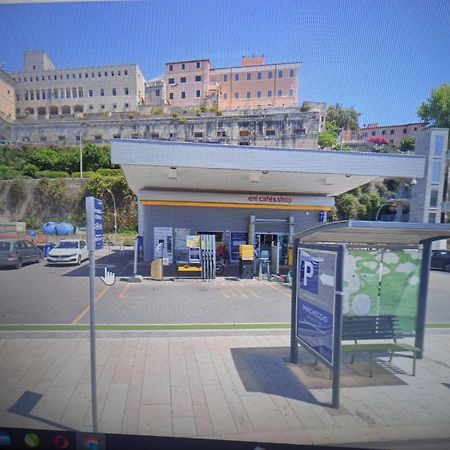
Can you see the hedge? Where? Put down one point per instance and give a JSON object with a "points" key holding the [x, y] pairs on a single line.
{"points": [[52, 174]]}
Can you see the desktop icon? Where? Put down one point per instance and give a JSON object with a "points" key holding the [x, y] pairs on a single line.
{"points": [[61, 442], [31, 440], [5, 439], [91, 443]]}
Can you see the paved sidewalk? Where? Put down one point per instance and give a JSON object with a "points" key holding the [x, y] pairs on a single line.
{"points": [[224, 387]]}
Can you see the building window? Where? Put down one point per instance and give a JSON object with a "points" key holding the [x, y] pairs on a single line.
{"points": [[269, 74], [280, 74], [405, 130], [225, 77], [225, 96], [171, 80], [67, 92], [171, 67], [291, 73], [183, 66], [259, 75], [106, 74], [114, 106], [118, 73], [270, 132], [127, 105], [258, 94], [92, 75], [392, 132], [171, 96], [125, 72], [383, 132], [236, 77], [434, 198], [432, 218], [25, 79], [31, 95], [74, 92], [248, 94], [43, 138], [25, 95], [99, 74], [436, 174], [197, 93], [17, 97], [249, 76], [114, 91], [43, 94], [197, 64], [198, 78], [102, 92], [55, 77], [17, 111], [280, 93], [415, 128], [438, 145], [80, 92], [183, 80], [112, 73], [373, 133], [86, 75], [236, 95], [91, 107], [198, 134], [61, 138], [291, 92], [79, 75], [67, 76], [91, 93], [157, 92], [60, 77], [183, 94], [102, 106], [34, 67], [269, 93]]}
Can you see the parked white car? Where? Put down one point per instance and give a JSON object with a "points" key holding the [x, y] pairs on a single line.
{"points": [[68, 251]]}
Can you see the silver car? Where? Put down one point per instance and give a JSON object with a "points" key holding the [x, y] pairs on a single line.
{"points": [[16, 252]]}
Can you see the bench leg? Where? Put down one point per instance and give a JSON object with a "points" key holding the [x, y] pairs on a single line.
{"points": [[391, 355], [371, 364], [414, 364], [353, 358]]}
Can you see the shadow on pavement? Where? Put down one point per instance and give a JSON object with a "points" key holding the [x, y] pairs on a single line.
{"points": [[119, 262], [265, 370], [26, 402]]}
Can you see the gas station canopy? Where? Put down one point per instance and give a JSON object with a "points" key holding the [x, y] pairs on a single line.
{"points": [[375, 233]]}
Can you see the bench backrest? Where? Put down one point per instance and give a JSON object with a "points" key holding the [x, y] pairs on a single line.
{"points": [[370, 327]]}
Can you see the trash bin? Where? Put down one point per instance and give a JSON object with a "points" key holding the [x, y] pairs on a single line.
{"points": [[245, 269], [47, 248], [156, 269]]}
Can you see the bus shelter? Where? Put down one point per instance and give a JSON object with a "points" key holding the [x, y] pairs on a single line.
{"points": [[360, 272]]}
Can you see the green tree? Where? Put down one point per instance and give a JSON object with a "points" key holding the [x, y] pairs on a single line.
{"points": [[346, 118], [328, 138], [44, 158], [436, 110], [408, 144], [96, 157], [347, 206]]}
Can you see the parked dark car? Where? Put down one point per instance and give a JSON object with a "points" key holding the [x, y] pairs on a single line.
{"points": [[15, 252], [440, 259]]}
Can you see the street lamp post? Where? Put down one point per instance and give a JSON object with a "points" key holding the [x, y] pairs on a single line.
{"points": [[115, 210], [81, 156]]}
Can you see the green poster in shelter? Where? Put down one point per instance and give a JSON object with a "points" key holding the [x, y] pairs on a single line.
{"points": [[382, 282], [399, 289]]}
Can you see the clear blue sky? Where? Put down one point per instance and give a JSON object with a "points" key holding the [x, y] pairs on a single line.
{"points": [[382, 57]]}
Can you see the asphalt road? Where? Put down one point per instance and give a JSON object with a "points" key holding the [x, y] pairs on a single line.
{"points": [[39, 293]]}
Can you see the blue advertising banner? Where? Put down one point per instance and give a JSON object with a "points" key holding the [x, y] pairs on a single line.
{"points": [[316, 300]]}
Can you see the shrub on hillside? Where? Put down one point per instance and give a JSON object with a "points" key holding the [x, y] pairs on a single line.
{"points": [[109, 172], [8, 173], [87, 174], [52, 174]]}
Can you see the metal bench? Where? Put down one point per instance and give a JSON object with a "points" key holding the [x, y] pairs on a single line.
{"points": [[357, 328]]}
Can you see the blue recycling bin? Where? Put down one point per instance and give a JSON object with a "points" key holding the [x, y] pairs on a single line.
{"points": [[47, 248]]}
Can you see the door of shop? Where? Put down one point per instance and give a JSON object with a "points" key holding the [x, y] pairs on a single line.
{"points": [[265, 241]]}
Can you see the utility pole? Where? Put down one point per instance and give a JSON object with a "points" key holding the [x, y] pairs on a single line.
{"points": [[81, 156]]}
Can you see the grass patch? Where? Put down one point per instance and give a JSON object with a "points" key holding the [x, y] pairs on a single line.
{"points": [[161, 327]]}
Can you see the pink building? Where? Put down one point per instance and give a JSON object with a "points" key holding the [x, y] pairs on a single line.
{"points": [[394, 134], [252, 85]]}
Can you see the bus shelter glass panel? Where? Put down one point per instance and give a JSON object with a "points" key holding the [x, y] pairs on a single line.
{"points": [[383, 282]]}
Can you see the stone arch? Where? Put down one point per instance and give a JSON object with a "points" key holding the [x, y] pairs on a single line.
{"points": [[78, 108], [42, 111], [65, 109], [29, 110], [53, 110]]}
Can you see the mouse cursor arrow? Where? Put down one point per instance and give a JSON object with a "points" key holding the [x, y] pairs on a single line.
{"points": [[110, 277]]}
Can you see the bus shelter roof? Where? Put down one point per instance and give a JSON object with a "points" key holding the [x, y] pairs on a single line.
{"points": [[375, 233]]}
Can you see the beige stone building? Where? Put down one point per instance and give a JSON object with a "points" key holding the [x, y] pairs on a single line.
{"points": [[254, 84], [7, 99], [43, 91]]}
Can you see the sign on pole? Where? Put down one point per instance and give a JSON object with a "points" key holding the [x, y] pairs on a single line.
{"points": [[94, 218]]}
